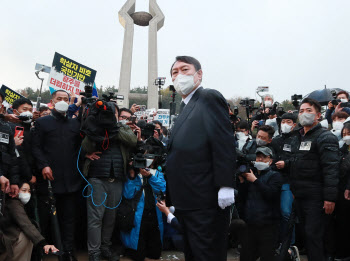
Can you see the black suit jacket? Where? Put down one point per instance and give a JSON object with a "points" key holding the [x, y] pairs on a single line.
{"points": [[201, 157]]}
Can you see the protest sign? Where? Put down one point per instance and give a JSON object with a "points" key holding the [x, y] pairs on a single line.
{"points": [[163, 115], [66, 74], [10, 95]]}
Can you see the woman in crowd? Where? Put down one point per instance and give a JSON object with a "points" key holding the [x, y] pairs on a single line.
{"points": [[19, 235]]}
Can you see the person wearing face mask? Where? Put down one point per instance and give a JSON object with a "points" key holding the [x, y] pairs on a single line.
{"points": [[338, 119], [24, 107], [286, 145], [55, 146], [105, 167], [258, 204], [342, 211], [343, 96], [20, 233], [242, 134], [314, 172], [201, 163], [146, 238]]}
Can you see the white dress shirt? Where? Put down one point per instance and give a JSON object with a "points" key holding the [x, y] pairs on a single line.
{"points": [[188, 98]]}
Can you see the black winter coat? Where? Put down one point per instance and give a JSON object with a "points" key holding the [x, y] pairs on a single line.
{"points": [[55, 143], [285, 146], [259, 202], [315, 165]]}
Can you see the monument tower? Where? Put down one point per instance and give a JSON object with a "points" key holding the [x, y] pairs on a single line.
{"points": [[154, 19]]}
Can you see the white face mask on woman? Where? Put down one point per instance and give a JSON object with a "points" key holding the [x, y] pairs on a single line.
{"points": [[24, 197], [346, 139]]}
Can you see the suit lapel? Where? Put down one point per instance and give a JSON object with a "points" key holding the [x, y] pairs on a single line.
{"points": [[183, 116]]}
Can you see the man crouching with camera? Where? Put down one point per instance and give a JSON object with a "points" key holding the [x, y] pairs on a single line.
{"points": [[259, 206]]}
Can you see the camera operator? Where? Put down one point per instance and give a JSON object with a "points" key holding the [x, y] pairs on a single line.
{"points": [[343, 96], [21, 234], [258, 204], [55, 145], [106, 169], [286, 145], [145, 239], [159, 129], [314, 177]]}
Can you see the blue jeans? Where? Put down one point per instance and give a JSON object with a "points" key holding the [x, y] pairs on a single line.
{"points": [[286, 209]]}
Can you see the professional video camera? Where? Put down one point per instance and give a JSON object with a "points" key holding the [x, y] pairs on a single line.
{"points": [[277, 110], [336, 101], [87, 99], [152, 151], [247, 103], [235, 111], [147, 129]]}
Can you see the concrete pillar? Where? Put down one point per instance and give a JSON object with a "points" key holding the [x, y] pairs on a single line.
{"points": [[125, 70], [155, 25]]}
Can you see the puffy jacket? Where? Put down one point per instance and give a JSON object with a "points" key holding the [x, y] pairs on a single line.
{"points": [[115, 157], [315, 165], [157, 182], [259, 202], [285, 146]]}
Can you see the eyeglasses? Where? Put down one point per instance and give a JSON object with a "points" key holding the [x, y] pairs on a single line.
{"points": [[124, 117]]}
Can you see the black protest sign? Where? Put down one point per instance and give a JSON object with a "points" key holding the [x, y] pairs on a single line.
{"points": [[73, 69], [10, 95]]}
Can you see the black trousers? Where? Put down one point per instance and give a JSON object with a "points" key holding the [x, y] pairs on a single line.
{"points": [[66, 206], [342, 228], [150, 244], [313, 221], [259, 241], [205, 233]]}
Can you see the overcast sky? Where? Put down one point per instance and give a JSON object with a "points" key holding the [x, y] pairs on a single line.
{"points": [[293, 46]]}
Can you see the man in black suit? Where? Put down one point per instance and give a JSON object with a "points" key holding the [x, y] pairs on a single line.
{"points": [[55, 145], [200, 164]]}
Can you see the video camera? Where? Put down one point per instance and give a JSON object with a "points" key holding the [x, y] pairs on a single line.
{"points": [[235, 112], [277, 110], [296, 100], [87, 95], [150, 152], [336, 101], [247, 103], [244, 166]]}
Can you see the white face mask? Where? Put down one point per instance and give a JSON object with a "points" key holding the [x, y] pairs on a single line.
{"points": [[268, 104], [324, 124], [307, 119], [261, 165], [27, 114], [271, 121], [338, 125], [184, 84], [260, 142], [61, 107], [24, 197], [343, 100], [346, 139], [241, 135], [286, 128], [124, 122]]}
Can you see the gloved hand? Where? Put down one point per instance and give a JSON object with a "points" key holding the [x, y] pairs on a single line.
{"points": [[226, 197]]}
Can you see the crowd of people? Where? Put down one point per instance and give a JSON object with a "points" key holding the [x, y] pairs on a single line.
{"points": [[88, 174]]}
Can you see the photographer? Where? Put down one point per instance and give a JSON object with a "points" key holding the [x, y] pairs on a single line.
{"points": [[20, 234], [107, 151], [286, 145], [258, 205], [343, 96], [159, 129], [314, 177], [145, 239]]}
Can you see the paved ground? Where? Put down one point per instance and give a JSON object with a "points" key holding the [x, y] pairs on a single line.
{"points": [[166, 256]]}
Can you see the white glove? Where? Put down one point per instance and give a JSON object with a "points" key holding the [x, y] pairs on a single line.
{"points": [[226, 197]]}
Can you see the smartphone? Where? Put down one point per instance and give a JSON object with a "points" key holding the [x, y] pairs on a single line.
{"points": [[133, 119], [19, 130]]}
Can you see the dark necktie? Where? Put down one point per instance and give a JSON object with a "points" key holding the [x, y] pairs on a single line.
{"points": [[182, 105]]}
